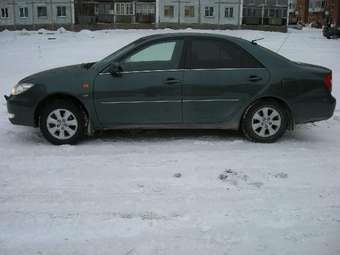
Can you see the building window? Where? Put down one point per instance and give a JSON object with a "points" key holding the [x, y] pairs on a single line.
{"points": [[189, 11], [168, 11], [61, 11], [209, 11], [129, 9], [42, 11], [145, 9], [124, 9], [23, 12], [4, 13], [229, 12]]}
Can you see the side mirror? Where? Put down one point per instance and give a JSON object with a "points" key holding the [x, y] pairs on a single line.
{"points": [[115, 70]]}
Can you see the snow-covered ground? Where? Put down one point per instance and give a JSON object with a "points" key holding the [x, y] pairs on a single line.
{"points": [[121, 193]]}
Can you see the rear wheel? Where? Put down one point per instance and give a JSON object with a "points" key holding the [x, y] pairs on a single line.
{"points": [[265, 122], [62, 122]]}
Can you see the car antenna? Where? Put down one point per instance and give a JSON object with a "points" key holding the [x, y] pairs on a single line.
{"points": [[255, 40]]}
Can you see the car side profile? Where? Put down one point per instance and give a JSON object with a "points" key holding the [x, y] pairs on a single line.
{"points": [[176, 80]]}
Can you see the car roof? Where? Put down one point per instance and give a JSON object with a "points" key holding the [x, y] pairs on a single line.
{"points": [[191, 34]]}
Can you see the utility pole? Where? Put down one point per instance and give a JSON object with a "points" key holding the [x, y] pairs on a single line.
{"points": [[14, 15], [240, 16], [157, 13], [262, 12], [179, 12], [306, 11], [337, 13], [199, 11]]}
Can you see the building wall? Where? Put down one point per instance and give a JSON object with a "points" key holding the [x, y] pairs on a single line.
{"points": [[32, 7], [236, 5], [199, 17]]}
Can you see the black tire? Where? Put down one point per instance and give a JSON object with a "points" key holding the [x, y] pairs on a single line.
{"points": [[252, 129], [77, 118]]}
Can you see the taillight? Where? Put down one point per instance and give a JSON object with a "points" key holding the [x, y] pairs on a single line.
{"points": [[327, 82]]}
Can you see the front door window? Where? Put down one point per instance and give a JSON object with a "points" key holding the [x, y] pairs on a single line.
{"points": [[159, 56]]}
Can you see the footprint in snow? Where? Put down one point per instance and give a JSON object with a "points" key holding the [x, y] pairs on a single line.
{"points": [[281, 175]]}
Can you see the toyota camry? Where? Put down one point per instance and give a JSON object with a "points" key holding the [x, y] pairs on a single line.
{"points": [[176, 81]]}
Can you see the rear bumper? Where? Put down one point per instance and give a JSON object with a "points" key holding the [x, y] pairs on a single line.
{"points": [[316, 109], [20, 111]]}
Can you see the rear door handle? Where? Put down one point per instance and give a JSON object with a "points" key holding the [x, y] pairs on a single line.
{"points": [[254, 78], [171, 81]]}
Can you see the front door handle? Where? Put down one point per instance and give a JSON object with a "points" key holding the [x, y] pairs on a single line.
{"points": [[171, 81], [254, 78]]}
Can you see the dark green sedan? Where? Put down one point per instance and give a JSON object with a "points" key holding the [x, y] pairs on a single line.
{"points": [[177, 80]]}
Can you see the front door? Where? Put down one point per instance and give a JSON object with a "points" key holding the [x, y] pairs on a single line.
{"points": [[219, 78], [147, 91]]}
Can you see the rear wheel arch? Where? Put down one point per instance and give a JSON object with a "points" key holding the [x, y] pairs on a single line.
{"points": [[55, 97], [284, 105]]}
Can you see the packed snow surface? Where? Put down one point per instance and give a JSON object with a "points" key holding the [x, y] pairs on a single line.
{"points": [[161, 192]]}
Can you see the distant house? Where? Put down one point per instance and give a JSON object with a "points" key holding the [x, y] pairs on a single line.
{"points": [[200, 12], [36, 12], [265, 12], [318, 12]]}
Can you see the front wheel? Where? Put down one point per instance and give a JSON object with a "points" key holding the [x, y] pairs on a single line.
{"points": [[62, 122], [264, 122]]}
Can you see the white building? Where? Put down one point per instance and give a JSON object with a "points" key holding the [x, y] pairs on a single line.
{"points": [[36, 12], [186, 12]]}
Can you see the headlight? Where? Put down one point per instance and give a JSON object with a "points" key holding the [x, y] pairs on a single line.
{"points": [[21, 87]]}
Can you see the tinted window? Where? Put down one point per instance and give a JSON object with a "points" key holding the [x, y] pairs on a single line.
{"points": [[157, 56], [157, 52], [219, 54]]}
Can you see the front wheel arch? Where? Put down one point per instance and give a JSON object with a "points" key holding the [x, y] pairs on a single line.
{"points": [[59, 96]]}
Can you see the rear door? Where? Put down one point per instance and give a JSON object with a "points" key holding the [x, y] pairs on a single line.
{"points": [[220, 75]]}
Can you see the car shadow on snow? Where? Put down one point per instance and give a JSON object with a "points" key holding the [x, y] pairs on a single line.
{"points": [[164, 135], [302, 134]]}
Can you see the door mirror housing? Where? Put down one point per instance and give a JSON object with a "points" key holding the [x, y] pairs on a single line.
{"points": [[115, 69]]}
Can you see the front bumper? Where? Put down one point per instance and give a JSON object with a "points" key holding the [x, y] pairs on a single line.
{"points": [[20, 110]]}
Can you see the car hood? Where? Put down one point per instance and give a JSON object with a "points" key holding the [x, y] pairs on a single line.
{"points": [[67, 73]]}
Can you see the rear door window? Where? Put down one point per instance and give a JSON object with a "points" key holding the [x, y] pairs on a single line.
{"points": [[211, 54]]}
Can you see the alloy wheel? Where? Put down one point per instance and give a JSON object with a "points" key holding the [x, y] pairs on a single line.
{"points": [[266, 122], [62, 124]]}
